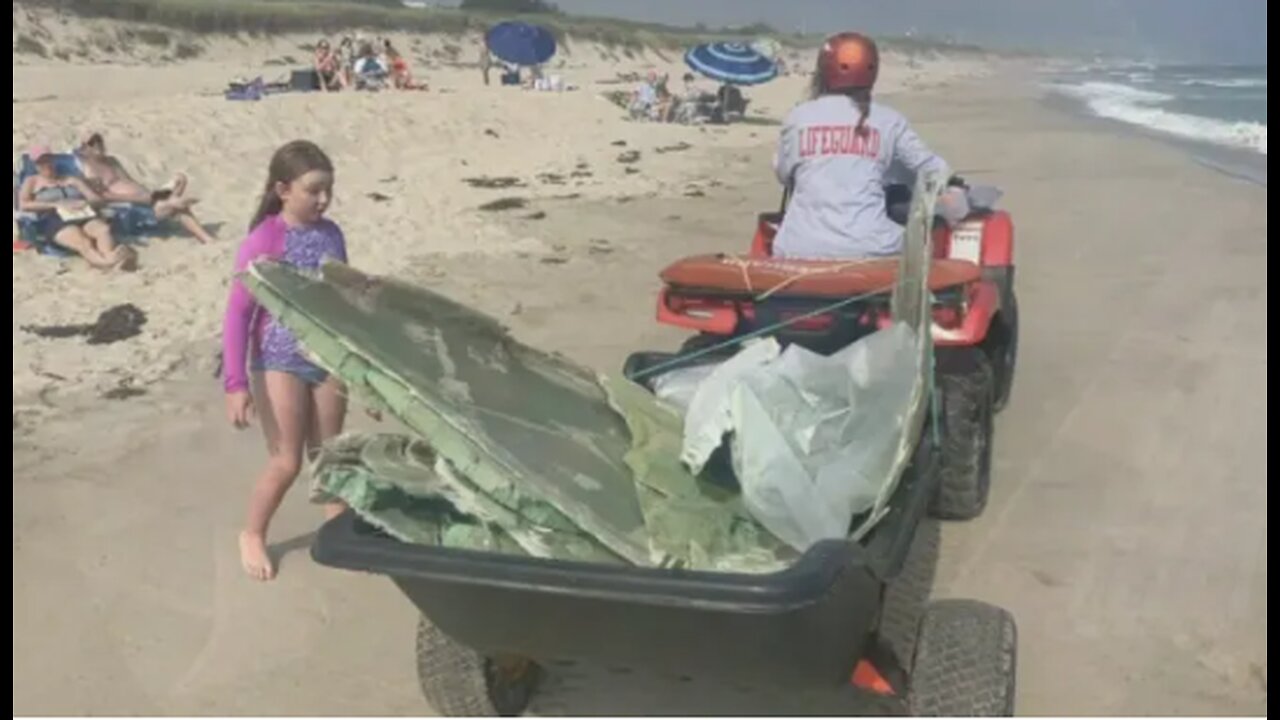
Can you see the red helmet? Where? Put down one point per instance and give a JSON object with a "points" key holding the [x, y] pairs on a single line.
{"points": [[848, 61]]}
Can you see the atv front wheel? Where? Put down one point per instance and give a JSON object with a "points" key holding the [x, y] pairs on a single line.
{"points": [[1002, 349], [965, 663], [965, 387], [458, 682]]}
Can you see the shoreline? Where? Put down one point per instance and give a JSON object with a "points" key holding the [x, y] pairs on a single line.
{"points": [[1237, 163]]}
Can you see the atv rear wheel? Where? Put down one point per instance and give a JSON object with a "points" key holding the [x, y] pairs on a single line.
{"points": [[458, 682], [965, 662], [965, 385]]}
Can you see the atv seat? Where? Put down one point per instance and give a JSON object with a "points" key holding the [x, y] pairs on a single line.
{"points": [[743, 275]]}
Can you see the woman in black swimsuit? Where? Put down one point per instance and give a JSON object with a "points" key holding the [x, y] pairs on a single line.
{"points": [[64, 210]]}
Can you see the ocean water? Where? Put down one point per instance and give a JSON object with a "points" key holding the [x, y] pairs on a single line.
{"points": [[1221, 106]]}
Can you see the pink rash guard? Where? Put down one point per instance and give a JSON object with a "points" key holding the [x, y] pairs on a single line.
{"points": [[244, 327]]}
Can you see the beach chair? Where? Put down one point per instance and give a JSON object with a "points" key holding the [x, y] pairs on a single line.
{"points": [[696, 109], [26, 235], [130, 222]]}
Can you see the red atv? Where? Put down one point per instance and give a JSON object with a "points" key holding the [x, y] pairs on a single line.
{"points": [[825, 305]]}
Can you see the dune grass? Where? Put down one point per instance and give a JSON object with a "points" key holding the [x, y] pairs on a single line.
{"points": [[265, 17], [268, 17]]}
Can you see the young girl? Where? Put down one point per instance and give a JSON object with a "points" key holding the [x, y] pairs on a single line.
{"points": [[300, 406]]}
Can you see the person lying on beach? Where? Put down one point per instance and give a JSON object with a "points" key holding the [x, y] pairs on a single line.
{"points": [[265, 372], [106, 174], [66, 216], [328, 66], [835, 151]]}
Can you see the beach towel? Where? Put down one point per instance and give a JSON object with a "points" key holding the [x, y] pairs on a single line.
{"points": [[251, 91]]}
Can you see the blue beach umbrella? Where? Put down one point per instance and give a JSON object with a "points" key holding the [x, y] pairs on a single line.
{"points": [[520, 43], [732, 63]]}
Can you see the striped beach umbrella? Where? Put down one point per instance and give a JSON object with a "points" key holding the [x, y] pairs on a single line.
{"points": [[732, 63]]}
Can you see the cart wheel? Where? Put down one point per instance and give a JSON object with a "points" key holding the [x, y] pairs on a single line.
{"points": [[458, 682], [966, 661], [966, 384]]}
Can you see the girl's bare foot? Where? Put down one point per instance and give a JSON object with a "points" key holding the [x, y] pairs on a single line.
{"points": [[334, 509], [254, 557]]}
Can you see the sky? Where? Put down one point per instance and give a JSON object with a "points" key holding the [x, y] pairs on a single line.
{"points": [[1195, 31]]}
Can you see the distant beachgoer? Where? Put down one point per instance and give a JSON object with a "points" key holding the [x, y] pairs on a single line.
{"points": [[347, 60], [401, 76], [731, 106], [510, 74], [66, 216], [835, 152], [109, 178], [695, 103], [667, 101], [299, 404], [645, 97], [693, 90], [328, 66], [369, 70], [486, 62]]}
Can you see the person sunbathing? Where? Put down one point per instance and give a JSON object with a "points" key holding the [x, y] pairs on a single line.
{"points": [[107, 176], [64, 207]]}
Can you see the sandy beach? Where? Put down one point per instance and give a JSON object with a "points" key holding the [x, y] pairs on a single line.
{"points": [[1127, 528]]}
